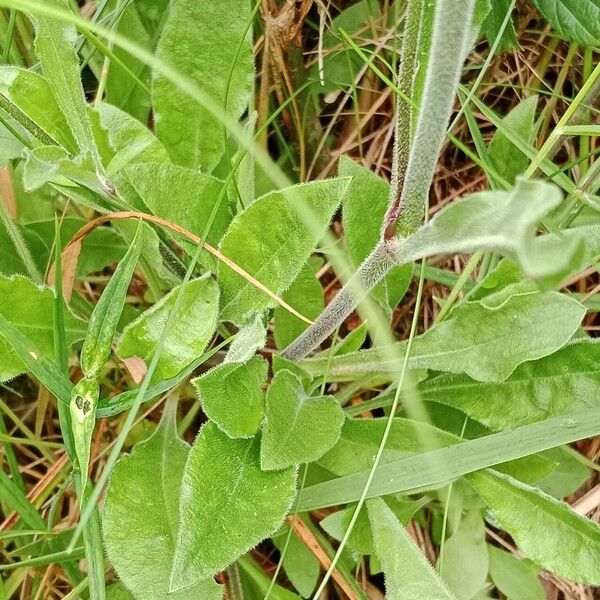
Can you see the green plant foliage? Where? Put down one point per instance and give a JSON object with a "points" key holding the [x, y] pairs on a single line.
{"points": [[151, 186], [364, 207], [506, 159], [361, 537], [250, 338], [255, 583], [493, 22], [55, 49], [563, 382], [27, 97], [211, 44], [465, 559], [486, 343], [570, 546], [140, 528], [228, 504], [576, 20], [193, 329], [84, 400], [395, 550], [306, 296], [516, 579], [107, 313], [298, 428], [271, 240], [232, 396], [29, 309]]}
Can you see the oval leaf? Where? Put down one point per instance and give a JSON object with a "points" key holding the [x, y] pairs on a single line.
{"points": [[228, 505]]}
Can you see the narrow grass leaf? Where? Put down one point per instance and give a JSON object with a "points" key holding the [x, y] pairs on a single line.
{"points": [[570, 546], [232, 396], [298, 428], [140, 527], [396, 551], [228, 504], [212, 45], [195, 325]]}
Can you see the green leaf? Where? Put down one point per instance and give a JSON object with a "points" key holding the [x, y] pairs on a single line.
{"points": [[567, 477], [272, 242], [360, 539], [306, 296], [364, 207], [465, 559], [570, 546], [29, 309], [487, 343], [506, 159], [232, 396], [211, 44], [55, 49], [516, 579], [103, 323], [435, 467], [255, 583], [140, 520], [250, 338], [503, 222], [298, 428], [299, 563], [396, 551], [27, 97], [493, 22], [561, 383], [122, 140], [228, 504], [121, 89], [152, 186], [576, 20], [187, 339], [117, 591]]}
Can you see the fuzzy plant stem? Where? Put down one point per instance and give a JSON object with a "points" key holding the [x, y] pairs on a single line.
{"points": [[450, 38]]}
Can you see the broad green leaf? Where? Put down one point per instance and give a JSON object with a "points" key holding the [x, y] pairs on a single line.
{"points": [[465, 560], [364, 207], [29, 309], [27, 97], [576, 20], [117, 591], [360, 439], [353, 341], [407, 572], [121, 88], [298, 428], [228, 504], [211, 44], [272, 242], [122, 140], [299, 563], [570, 546], [563, 382], [506, 159], [503, 222], [140, 520], [435, 467], [103, 323], [567, 477], [516, 579], [360, 539], [84, 401], [487, 343], [306, 296], [232, 396], [189, 335], [154, 185], [493, 22], [55, 49]]}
